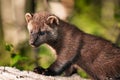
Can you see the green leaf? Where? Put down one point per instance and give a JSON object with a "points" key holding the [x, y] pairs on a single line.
{"points": [[9, 47]]}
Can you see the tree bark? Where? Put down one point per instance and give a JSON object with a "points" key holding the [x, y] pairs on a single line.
{"points": [[12, 14], [9, 73]]}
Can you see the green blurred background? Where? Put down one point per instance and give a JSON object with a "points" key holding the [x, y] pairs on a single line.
{"points": [[97, 17]]}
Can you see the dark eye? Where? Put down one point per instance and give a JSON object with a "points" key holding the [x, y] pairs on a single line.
{"points": [[41, 32]]}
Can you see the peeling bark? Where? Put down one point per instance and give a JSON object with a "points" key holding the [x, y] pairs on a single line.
{"points": [[9, 73]]}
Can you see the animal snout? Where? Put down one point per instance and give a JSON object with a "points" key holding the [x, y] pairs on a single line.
{"points": [[32, 39], [31, 42]]}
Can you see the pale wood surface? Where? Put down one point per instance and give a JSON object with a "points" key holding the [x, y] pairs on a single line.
{"points": [[9, 73]]}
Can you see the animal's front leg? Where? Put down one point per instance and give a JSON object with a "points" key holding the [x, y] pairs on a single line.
{"points": [[63, 62], [68, 55], [72, 70], [55, 69]]}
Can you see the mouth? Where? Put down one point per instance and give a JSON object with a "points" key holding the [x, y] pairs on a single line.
{"points": [[35, 45]]}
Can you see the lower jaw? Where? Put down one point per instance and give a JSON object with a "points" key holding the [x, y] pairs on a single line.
{"points": [[35, 46]]}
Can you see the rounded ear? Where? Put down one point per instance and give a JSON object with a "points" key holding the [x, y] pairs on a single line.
{"points": [[28, 17], [53, 19]]}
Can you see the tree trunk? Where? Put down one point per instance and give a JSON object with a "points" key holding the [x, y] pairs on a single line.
{"points": [[1, 27], [30, 6], [8, 73]]}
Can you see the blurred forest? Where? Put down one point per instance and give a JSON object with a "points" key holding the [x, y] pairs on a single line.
{"points": [[97, 17]]}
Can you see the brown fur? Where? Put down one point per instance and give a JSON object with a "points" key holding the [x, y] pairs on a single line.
{"points": [[98, 57]]}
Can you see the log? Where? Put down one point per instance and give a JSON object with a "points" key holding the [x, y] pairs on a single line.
{"points": [[11, 73]]}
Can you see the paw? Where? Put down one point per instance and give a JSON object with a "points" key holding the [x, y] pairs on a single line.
{"points": [[39, 70], [48, 73], [42, 71]]}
